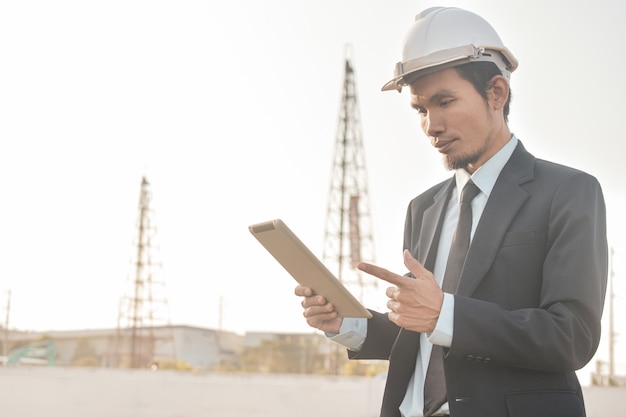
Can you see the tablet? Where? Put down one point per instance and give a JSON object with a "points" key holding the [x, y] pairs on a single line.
{"points": [[305, 268]]}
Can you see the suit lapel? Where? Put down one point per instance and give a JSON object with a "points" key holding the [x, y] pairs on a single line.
{"points": [[431, 226], [406, 346], [401, 367], [505, 200]]}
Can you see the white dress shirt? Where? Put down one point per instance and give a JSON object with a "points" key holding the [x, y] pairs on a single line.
{"points": [[354, 330]]}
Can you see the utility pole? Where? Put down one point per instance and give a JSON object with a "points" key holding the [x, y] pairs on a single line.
{"points": [[348, 233], [145, 307], [348, 238], [5, 345]]}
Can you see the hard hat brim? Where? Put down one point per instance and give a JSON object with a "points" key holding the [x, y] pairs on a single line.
{"points": [[408, 72]]}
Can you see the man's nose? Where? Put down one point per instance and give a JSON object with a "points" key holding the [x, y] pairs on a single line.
{"points": [[433, 125]]}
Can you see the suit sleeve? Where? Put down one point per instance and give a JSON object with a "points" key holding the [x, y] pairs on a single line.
{"points": [[381, 335], [561, 331]]}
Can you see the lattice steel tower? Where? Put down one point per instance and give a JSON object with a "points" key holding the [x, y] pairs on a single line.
{"points": [[144, 334], [348, 237]]}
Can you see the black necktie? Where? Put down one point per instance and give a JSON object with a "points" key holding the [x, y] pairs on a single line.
{"points": [[435, 384]]}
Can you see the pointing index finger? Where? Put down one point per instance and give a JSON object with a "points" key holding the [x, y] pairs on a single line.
{"points": [[384, 274]]}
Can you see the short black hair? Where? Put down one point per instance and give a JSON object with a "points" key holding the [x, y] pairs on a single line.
{"points": [[480, 75]]}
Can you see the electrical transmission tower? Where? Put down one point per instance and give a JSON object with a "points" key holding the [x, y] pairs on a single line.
{"points": [[348, 239], [144, 335]]}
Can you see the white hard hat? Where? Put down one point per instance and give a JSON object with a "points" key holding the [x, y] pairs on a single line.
{"points": [[444, 37]]}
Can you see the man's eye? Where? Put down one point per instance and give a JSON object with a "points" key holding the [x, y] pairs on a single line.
{"points": [[445, 103]]}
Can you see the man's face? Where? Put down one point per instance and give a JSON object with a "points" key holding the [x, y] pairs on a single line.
{"points": [[457, 119]]}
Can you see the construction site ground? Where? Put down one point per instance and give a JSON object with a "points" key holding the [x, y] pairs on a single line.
{"points": [[97, 392]]}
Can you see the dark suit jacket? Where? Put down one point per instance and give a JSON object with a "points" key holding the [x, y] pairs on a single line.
{"points": [[528, 308]]}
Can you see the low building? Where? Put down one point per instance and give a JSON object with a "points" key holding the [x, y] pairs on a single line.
{"points": [[172, 346]]}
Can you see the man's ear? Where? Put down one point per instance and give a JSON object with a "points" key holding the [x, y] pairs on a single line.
{"points": [[498, 93]]}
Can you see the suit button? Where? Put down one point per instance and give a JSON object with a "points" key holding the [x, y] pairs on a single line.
{"points": [[487, 360], [470, 357], [479, 359]]}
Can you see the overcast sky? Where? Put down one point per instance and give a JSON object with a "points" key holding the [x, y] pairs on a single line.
{"points": [[230, 109]]}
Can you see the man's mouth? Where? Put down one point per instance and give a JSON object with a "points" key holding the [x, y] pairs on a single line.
{"points": [[444, 146]]}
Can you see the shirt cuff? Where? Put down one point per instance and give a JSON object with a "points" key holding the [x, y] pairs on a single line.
{"points": [[352, 333], [442, 335]]}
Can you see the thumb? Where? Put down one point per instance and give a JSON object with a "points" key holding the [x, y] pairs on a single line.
{"points": [[414, 265]]}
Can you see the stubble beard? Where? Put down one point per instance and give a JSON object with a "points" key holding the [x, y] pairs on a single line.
{"points": [[463, 161]]}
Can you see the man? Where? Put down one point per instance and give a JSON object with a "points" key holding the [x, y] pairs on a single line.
{"points": [[521, 312]]}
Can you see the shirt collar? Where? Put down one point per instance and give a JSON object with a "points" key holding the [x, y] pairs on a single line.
{"points": [[485, 177]]}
